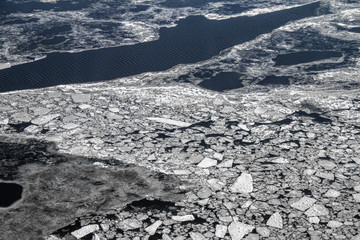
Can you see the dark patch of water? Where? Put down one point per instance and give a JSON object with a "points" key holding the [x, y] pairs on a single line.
{"points": [[323, 66], [268, 163], [355, 30], [156, 236], [266, 217], [229, 124], [215, 135], [275, 80], [311, 106], [162, 136], [139, 8], [88, 237], [204, 144], [185, 3], [266, 140], [198, 220], [145, 205], [19, 127], [203, 74], [44, 130], [285, 121], [183, 78], [206, 124], [55, 30], [9, 193], [194, 39], [54, 40], [240, 142], [315, 116], [304, 57], [307, 192], [62, 232], [223, 81]]}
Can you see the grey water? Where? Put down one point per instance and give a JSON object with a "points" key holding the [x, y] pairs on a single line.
{"points": [[194, 39]]}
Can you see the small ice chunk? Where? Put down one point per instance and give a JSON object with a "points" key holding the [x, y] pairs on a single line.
{"points": [[129, 224], [332, 193], [153, 227], [334, 224], [4, 66], [220, 231], [184, 218], [82, 232], [238, 230], [315, 220], [275, 221], [317, 210], [81, 98], [70, 126], [304, 203], [228, 109], [207, 162], [169, 121], [197, 236], [356, 196], [44, 119]]}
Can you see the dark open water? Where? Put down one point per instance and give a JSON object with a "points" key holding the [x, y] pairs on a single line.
{"points": [[194, 39], [10, 193]]}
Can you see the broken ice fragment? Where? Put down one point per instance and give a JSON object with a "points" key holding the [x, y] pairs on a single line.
{"points": [[197, 236], [204, 192], [275, 221], [304, 203], [220, 231], [238, 230], [356, 196], [44, 119], [317, 210], [169, 121], [332, 193], [184, 218], [85, 231], [334, 224], [207, 162], [243, 184], [81, 98], [129, 224], [153, 227]]}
